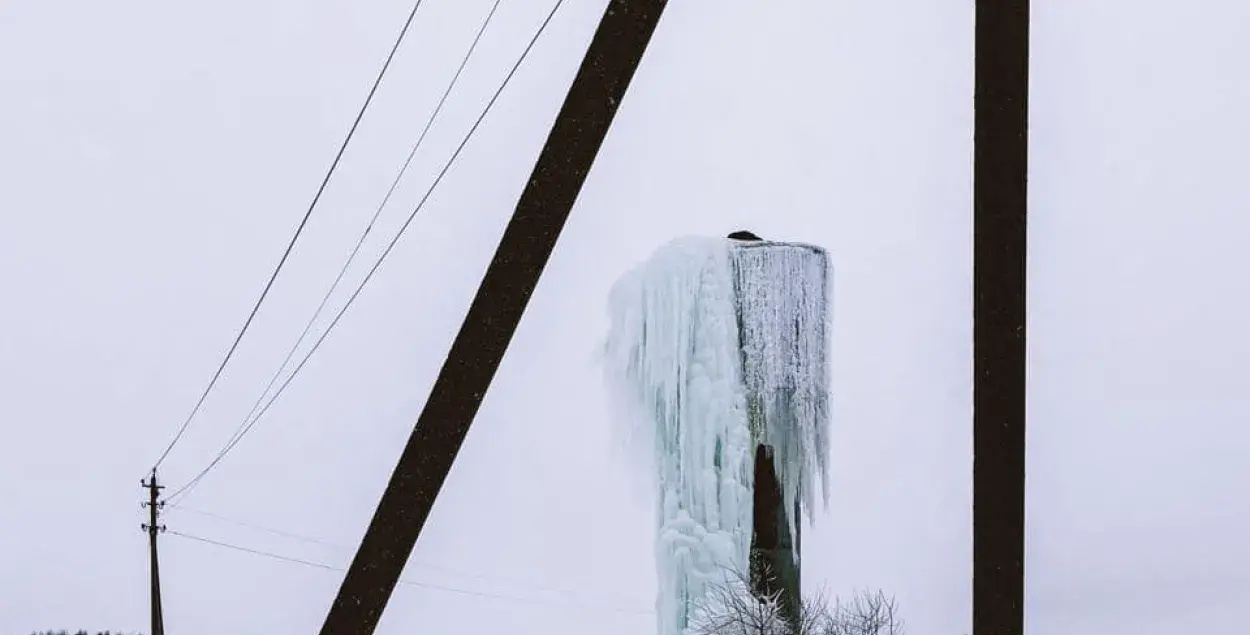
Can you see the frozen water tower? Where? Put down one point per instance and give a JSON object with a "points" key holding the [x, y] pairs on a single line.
{"points": [[718, 359]]}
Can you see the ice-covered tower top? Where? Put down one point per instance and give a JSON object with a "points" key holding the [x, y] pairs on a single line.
{"points": [[740, 312], [781, 295]]}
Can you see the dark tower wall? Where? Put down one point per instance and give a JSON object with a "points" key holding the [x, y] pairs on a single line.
{"points": [[774, 552]]}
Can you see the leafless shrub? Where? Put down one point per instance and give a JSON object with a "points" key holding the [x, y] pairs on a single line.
{"points": [[865, 614], [730, 608]]}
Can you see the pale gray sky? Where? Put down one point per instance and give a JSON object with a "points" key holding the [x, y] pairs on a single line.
{"points": [[1137, 471], [157, 155]]}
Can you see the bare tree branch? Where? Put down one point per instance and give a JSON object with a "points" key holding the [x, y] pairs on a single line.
{"points": [[730, 608]]}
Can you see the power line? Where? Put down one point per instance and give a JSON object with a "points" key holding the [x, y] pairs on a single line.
{"points": [[291, 245], [378, 263], [412, 583], [239, 431], [270, 530], [419, 563], [256, 552]]}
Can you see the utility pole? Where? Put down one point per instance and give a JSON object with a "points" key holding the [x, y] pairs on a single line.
{"points": [[153, 506], [528, 240]]}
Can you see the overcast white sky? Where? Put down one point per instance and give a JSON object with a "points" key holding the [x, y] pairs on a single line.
{"points": [[156, 157], [1137, 471]]}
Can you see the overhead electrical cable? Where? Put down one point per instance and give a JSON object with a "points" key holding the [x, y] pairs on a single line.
{"points": [[269, 530], [368, 229], [255, 552], [418, 563], [378, 263], [424, 585], [295, 237]]}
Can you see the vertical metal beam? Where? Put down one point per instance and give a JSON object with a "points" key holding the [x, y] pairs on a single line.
{"points": [[579, 130], [1000, 208]]}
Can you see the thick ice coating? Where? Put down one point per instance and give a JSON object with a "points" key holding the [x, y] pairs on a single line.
{"points": [[716, 346]]}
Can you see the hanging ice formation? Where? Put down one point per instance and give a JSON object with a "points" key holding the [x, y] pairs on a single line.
{"points": [[717, 347]]}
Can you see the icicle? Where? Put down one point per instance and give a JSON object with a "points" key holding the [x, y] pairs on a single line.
{"points": [[695, 331], [781, 293]]}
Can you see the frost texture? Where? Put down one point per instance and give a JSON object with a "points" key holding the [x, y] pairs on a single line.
{"points": [[716, 346]]}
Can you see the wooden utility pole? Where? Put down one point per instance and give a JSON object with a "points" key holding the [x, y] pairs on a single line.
{"points": [[527, 243], [153, 504]]}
